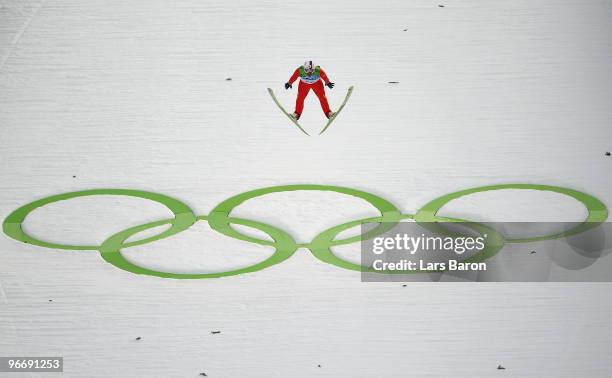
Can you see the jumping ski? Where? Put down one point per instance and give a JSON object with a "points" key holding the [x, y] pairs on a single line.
{"points": [[284, 111], [333, 116]]}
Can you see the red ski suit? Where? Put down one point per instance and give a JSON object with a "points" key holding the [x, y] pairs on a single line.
{"points": [[305, 87]]}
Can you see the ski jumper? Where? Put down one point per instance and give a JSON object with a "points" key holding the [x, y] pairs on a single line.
{"points": [[307, 82]]}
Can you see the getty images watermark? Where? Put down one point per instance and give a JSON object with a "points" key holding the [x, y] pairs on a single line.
{"points": [[469, 251]]}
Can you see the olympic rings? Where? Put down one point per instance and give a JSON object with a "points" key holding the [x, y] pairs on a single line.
{"points": [[183, 216], [321, 245], [220, 214], [285, 246], [597, 212], [111, 250]]}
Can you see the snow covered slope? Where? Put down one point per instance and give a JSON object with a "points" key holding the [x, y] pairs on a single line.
{"points": [[133, 94]]}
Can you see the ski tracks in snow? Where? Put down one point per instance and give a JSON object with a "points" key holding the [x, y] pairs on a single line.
{"points": [[19, 34], [3, 297]]}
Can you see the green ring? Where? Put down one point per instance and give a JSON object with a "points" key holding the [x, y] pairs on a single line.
{"points": [[183, 216], [110, 250], [219, 216], [321, 249], [597, 212]]}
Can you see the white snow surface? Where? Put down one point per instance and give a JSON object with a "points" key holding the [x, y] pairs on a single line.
{"points": [[132, 94]]}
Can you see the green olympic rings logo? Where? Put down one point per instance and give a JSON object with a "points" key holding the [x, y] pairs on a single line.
{"points": [[220, 220]]}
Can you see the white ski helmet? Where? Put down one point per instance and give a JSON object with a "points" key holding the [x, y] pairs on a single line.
{"points": [[309, 66]]}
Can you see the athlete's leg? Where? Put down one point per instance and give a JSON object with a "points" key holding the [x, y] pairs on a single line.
{"points": [[303, 89], [319, 90]]}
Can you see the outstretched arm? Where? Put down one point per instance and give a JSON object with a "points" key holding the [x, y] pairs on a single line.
{"points": [[328, 83], [324, 76], [294, 77]]}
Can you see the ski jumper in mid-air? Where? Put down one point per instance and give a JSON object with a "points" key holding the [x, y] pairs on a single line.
{"points": [[311, 77]]}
